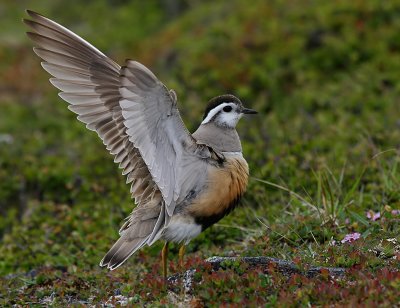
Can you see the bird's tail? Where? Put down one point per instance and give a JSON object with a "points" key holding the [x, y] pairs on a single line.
{"points": [[134, 235], [121, 251]]}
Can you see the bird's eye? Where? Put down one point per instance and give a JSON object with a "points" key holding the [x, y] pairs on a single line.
{"points": [[227, 108]]}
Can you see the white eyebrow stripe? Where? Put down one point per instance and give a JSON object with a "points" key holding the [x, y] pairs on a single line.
{"points": [[214, 111]]}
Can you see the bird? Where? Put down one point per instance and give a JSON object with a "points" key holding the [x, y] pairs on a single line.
{"points": [[181, 183]]}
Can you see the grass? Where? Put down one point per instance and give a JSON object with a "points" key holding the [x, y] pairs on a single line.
{"points": [[323, 154]]}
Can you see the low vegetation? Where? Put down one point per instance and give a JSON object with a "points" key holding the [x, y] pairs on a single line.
{"points": [[324, 154]]}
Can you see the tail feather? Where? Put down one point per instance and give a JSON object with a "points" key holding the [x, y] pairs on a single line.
{"points": [[135, 233], [121, 251]]}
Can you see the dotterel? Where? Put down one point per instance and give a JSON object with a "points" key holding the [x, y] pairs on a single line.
{"points": [[182, 183]]}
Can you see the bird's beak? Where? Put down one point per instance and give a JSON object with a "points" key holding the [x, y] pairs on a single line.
{"points": [[248, 111]]}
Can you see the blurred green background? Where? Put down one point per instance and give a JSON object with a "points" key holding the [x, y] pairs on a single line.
{"points": [[324, 76]]}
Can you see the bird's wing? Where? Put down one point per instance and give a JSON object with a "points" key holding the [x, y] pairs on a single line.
{"points": [[130, 109], [90, 83], [175, 161]]}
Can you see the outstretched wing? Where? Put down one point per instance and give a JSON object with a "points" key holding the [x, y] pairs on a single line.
{"points": [[90, 83], [132, 112]]}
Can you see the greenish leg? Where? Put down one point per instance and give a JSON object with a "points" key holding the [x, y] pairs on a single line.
{"points": [[164, 256], [181, 254]]}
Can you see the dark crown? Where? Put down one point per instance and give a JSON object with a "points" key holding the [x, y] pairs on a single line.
{"points": [[218, 100]]}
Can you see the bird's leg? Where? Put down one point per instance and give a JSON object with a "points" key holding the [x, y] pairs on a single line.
{"points": [[164, 256], [181, 254]]}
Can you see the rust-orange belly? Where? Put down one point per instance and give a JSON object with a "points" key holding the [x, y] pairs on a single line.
{"points": [[225, 185]]}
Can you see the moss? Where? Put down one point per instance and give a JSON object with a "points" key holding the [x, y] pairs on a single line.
{"points": [[325, 146]]}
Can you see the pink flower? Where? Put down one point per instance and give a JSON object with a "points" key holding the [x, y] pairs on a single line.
{"points": [[373, 216], [348, 238], [395, 212]]}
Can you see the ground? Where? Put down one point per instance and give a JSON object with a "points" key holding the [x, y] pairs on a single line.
{"points": [[323, 153]]}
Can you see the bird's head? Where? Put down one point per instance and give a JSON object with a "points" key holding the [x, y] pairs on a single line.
{"points": [[225, 111]]}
